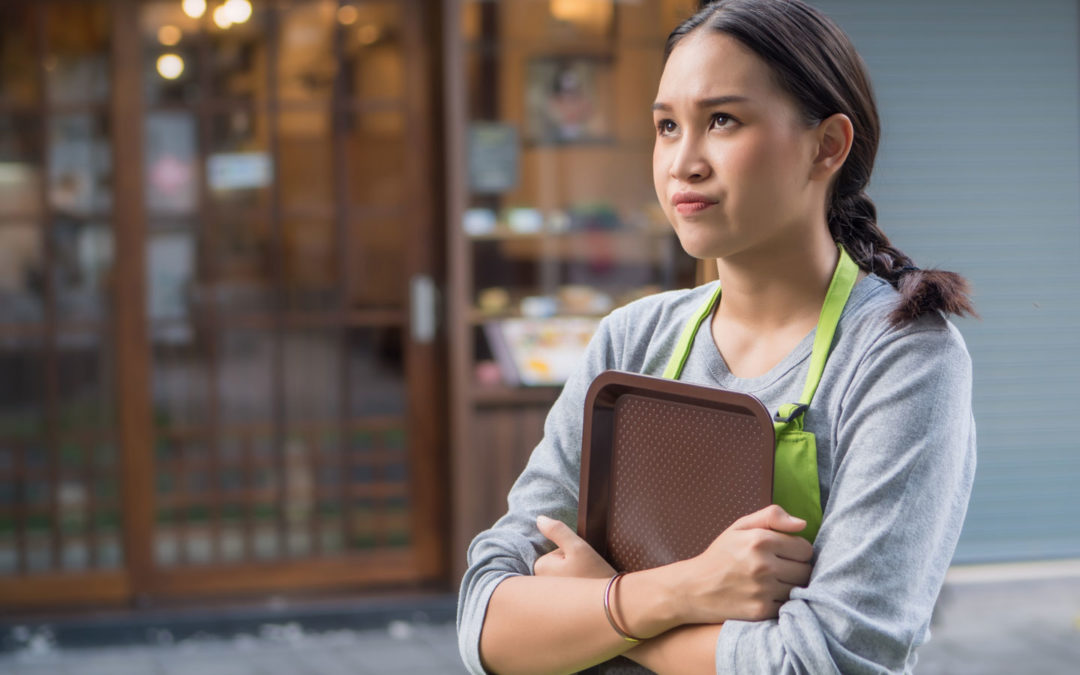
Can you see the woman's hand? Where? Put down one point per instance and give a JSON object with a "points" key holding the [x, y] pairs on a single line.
{"points": [[748, 571], [573, 557]]}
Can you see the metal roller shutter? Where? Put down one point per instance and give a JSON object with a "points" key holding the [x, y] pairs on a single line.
{"points": [[979, 172]]}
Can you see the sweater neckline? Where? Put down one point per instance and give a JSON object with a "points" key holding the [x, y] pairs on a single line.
{"points": [[723, 376]]}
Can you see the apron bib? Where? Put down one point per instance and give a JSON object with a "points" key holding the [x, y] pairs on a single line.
{"points": [[795, 472]]}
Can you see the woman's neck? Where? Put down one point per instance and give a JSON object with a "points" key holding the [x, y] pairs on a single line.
{"points": [[773, 289]]}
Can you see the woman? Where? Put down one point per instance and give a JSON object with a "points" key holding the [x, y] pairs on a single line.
{"points": [[766, 131]]}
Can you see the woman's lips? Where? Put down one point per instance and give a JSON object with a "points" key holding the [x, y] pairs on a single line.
{"points": [[688, 208]]}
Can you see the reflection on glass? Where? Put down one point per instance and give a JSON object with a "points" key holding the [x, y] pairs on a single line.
{"points": [[242, 255], [171, 151], [80, 164], [20, 165], [166, 29], [85, 384], [22, 394], [375, 151], [375, 251], [239, 169], [312, 387], [22, 261], [77, 65], [18, 47], [82, 265], [170, 268], [305, 157], [305, 65], [310, 253], [376, 371], [238, 59], [245, 376], [180, 389], [373, 59]]}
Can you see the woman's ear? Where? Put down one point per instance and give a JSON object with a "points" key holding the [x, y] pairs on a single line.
{"points": [[834, 137]]}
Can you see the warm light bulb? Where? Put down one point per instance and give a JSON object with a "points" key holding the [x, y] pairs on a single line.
{"points": [[194, 8], [169, 35], [221, 17], [238, 11], [347, 15], [170, 66]]}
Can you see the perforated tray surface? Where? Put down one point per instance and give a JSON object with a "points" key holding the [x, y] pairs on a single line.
{"points": [[666, 467]]}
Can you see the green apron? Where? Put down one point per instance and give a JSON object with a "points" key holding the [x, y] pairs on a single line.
{"points": [[795, 474]]}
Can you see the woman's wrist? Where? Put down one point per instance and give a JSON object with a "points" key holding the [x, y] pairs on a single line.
{"points": [[649, 602]]}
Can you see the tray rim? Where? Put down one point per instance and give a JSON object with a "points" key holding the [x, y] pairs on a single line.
{"points": [[603, 394]]}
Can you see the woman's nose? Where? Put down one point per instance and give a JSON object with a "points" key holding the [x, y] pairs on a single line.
{"points": [[689, 164]]}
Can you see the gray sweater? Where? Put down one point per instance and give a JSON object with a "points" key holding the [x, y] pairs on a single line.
{"points": [[896, 460]]}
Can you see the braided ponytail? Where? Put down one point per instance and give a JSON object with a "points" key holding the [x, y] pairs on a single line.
{"points": [[853, 223], [816, 63]]}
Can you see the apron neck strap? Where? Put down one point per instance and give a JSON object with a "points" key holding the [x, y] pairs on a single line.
{"points": [[686, 338], [843, 281]]}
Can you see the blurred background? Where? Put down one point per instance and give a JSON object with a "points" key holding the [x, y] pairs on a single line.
{"points": [[287, 286]]}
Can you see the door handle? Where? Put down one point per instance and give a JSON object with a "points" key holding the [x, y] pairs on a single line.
{"points": [[423, 319]]}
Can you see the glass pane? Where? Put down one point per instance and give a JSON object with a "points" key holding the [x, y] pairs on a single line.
{"points": [[180, 388], [311, 264], [313, 386], [373, 50], [22, 273], [22, 389], [77, 65], [82, 269], [80, 164], [306, 159], [172, 180], [170, 52], [376, 372], [376, 252], [245, 376], [238, 57], [239, 169], [85, 391], [305, 65], [18, 53], [242, 250], [375, 151], [170, 268], [20, 165]]}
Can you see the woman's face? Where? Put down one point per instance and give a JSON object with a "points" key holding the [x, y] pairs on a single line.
{"points": [[732, 159]]}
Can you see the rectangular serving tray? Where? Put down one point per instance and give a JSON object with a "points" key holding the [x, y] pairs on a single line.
{"points": [[667, 466]]}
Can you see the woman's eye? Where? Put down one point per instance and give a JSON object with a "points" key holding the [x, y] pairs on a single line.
{"points": [[722, 121], [665, 127]]}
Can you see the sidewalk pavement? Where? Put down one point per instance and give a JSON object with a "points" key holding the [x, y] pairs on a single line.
{"points": [[986, 623]]}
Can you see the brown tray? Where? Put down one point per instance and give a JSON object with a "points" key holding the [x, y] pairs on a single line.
{"points": [[666, 467]]}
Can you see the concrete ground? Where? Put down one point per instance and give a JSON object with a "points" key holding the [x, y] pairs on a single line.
{"points": [[1007, 620]]}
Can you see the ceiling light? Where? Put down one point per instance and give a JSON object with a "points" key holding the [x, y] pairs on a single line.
{"points": [[170, 66]]}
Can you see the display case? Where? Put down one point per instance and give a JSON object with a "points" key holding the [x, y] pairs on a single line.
{"points": [[552, 216]]}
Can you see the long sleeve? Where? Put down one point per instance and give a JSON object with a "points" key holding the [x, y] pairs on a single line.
{"points": [[901, 478], [548, 486]]}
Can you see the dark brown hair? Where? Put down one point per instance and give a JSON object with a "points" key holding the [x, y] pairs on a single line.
{"points": [[815, 62]]}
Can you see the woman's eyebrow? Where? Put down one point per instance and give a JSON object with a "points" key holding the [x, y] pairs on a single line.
{"points": [[705, 102]]}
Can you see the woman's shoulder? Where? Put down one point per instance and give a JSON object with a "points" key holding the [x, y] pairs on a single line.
{"points": [[662, 308], [646, 329], [866, 325]]}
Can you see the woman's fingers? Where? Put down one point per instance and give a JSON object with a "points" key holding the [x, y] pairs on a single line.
{"points": [[792, 573], [772, 517], [558, 532]]}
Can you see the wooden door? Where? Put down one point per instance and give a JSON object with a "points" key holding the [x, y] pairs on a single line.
{"points": [[245, 396]]}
